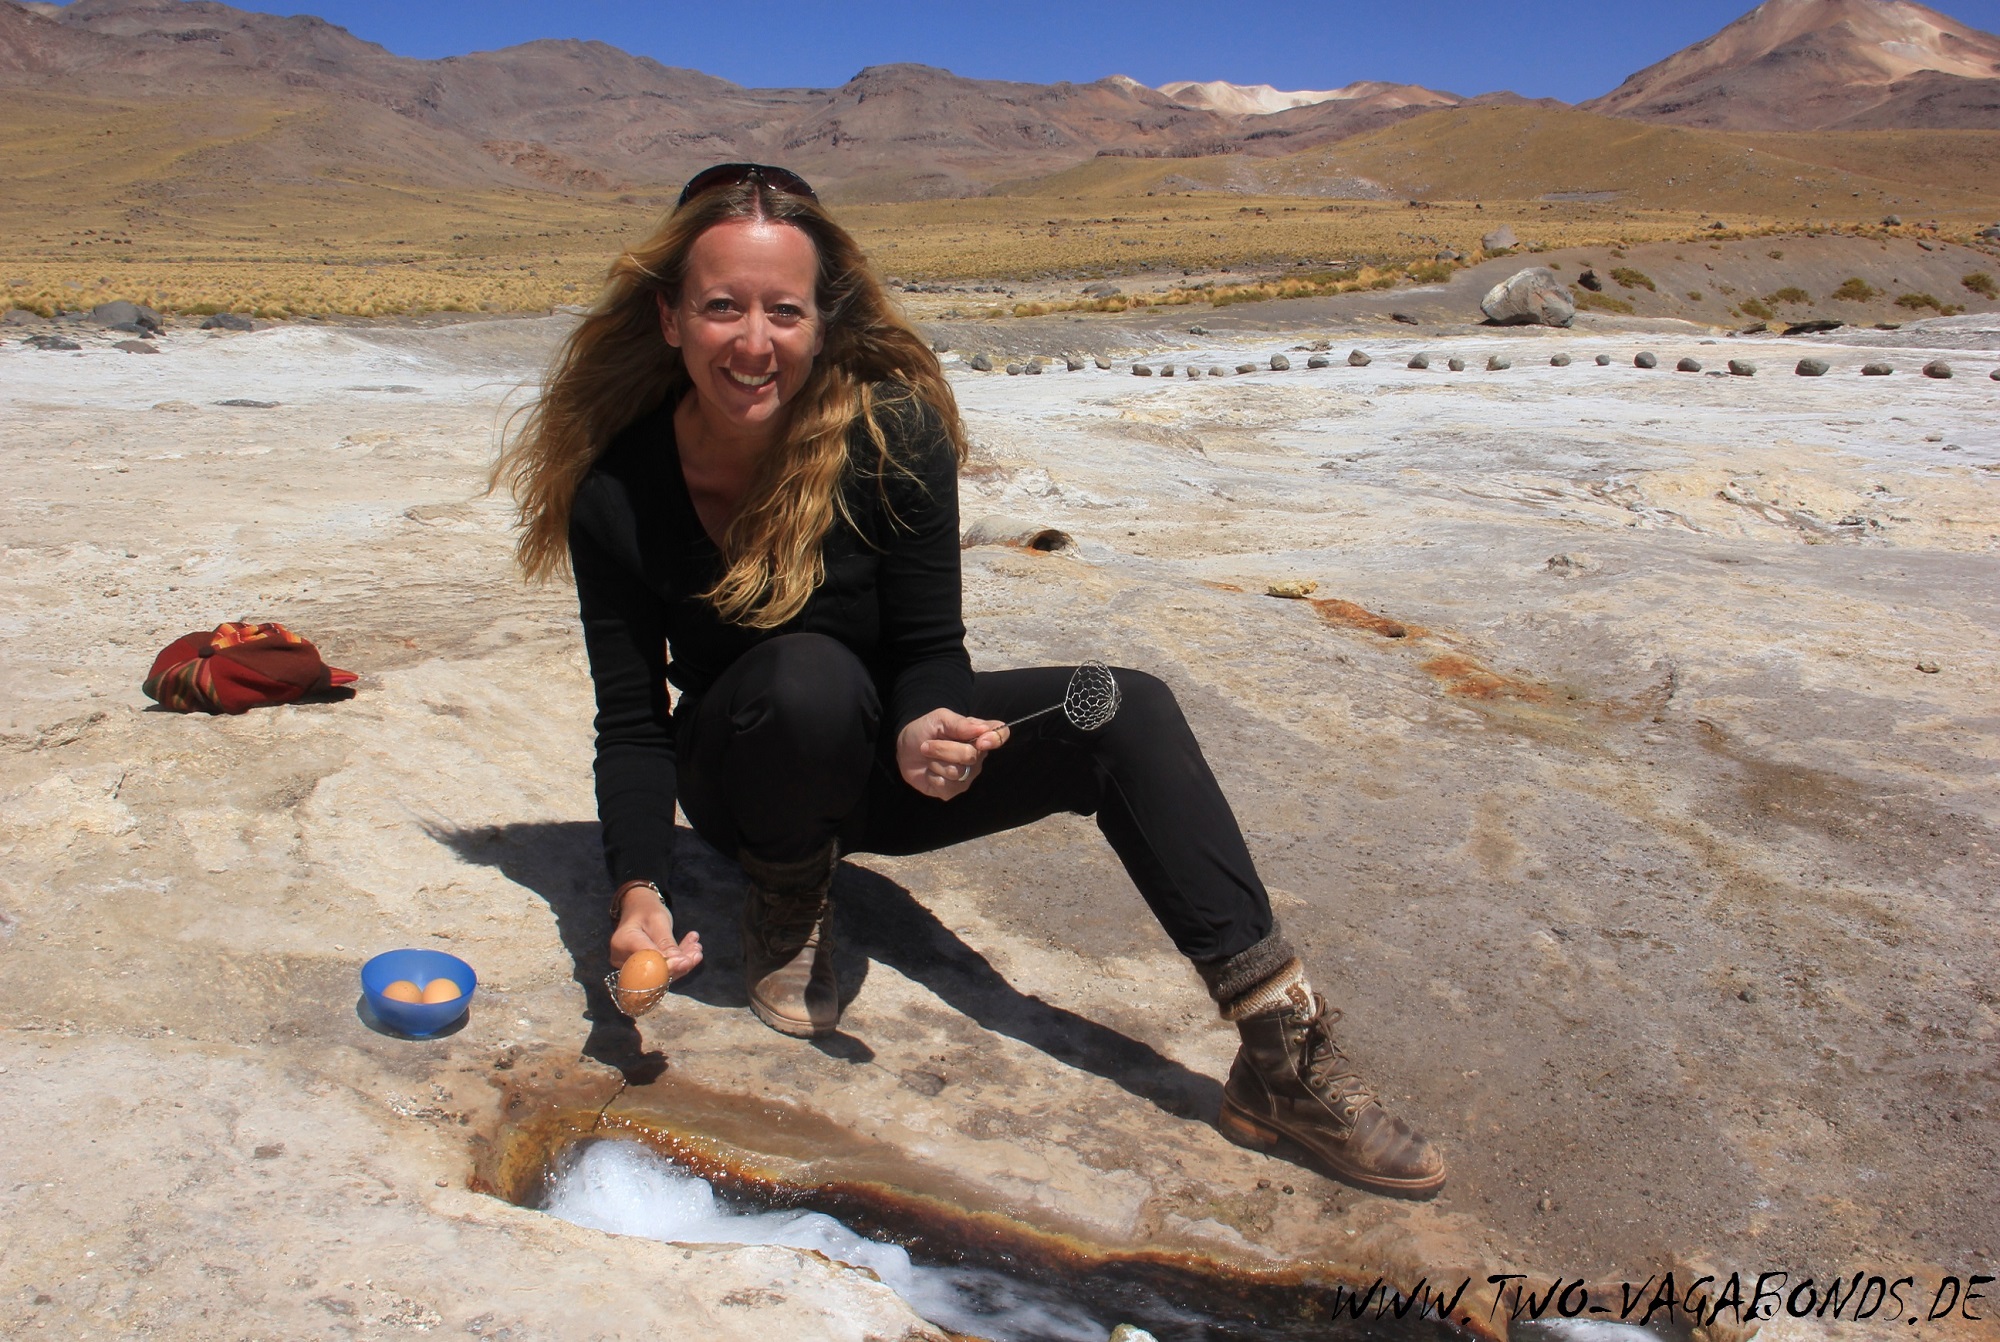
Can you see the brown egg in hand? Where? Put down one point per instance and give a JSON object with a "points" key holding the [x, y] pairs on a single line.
{"points": [[441, 990], [402, 990], [644, 972]]}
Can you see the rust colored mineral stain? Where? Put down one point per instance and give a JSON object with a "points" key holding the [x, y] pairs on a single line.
{"points": [[1286, 1305], [1465, 678], [1460, 676], [1350, 616]]}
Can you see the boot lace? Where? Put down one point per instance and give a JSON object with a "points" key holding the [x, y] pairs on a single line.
{"points": [[790, 918], [784, 913], [1327, 1069], [793, 918]]}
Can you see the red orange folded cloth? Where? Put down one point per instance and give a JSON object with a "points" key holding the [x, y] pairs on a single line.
{"points": [[238, 667]]}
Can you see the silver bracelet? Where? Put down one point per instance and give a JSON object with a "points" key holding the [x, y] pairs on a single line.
{"points": [[618, 896]]}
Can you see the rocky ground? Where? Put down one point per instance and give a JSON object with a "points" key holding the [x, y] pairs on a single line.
{"points": [[1628, 779], [1700, 282]]}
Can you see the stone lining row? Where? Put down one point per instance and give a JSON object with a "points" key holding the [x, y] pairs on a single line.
{"points": [[1811, 366]]}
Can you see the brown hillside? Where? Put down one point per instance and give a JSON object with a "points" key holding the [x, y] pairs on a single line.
{"points": [[584, 112], [1301, 128], [1527, 153], [1932, 99], [583, 116], [1806, 64], [945, 133]]}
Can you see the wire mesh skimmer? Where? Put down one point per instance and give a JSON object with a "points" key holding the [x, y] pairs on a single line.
{"points": [[1090, 701]]}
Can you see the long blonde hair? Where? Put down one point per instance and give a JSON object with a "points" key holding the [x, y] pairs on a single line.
{"points": [[616, 366]]}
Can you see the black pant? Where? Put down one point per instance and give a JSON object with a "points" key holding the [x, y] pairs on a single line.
{"points": [[782, 755]]}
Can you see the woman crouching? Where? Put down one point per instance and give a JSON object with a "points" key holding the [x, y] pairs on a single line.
{"points": [[748, 460]]}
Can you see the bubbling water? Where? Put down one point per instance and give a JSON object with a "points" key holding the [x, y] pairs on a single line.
{"points": [[627, 1188]]}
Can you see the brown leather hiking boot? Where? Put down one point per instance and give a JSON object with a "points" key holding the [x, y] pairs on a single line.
{"points": [[787, 954], [1291, 1082]]}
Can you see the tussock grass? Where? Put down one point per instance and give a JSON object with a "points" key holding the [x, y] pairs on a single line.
{"points": [[1917, 302], [1589, 300]]}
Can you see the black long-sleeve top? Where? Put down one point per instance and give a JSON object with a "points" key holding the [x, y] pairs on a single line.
{"points": [[641, 557]]}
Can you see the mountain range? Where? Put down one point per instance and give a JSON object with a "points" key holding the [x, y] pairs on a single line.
{"points": [[260, 94]]}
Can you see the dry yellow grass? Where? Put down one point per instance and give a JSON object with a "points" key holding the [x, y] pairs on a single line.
{"points": [[1079, 234], [197, 206]]}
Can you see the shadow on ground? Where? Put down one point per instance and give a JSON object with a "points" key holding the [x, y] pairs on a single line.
{"points": [[876, 920]]}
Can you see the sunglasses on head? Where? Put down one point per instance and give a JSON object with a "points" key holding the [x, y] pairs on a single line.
{"points": [[732, 174]]}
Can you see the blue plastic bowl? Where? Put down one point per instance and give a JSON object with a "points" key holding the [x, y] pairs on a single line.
{"points": [[420, 1019]]}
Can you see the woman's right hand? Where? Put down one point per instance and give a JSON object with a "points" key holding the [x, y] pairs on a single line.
{"points": [[941, 753], [645, 925]]}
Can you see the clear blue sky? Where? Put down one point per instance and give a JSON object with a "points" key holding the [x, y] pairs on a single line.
{"points": [[1555, 48]]}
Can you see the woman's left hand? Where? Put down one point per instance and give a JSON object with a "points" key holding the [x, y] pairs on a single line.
{"points": [[940, 753]]}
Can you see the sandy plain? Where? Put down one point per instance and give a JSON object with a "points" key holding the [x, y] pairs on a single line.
{"points": [[1629, 782]]}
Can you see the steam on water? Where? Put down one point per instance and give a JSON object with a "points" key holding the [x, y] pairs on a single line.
{"points": [[629, 1189]]}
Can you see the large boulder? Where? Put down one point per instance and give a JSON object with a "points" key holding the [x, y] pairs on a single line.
{"points": [[1532, 297], [1501, 239], [120, 315]]}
